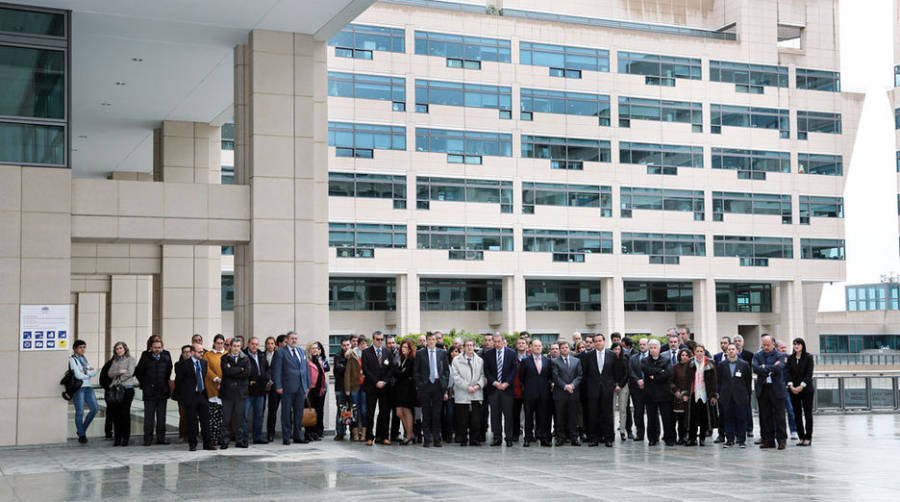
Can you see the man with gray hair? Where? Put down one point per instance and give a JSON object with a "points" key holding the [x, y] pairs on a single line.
{"points": [[658, 395], [636, 386], [747, 356], [771, 392]]}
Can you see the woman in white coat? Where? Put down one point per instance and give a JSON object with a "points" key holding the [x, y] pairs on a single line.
{"points": [[467, 373]]}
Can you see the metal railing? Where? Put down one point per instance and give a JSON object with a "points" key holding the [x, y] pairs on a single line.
{"points": [[882, 359], [857, 393]]}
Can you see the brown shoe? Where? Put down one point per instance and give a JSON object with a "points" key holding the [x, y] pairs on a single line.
{"points": [[369, 442], [386, 442], [780, 445]]}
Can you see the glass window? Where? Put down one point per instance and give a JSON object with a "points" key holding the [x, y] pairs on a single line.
{"points": [[432, 92], [227, 292], [743, 297], [824, 207], [660, 110], [376, 186], [462, 48], [463, 190], [822, 249], [568, 103], [744, 116], [362, 293], [32, 23], [643, 296], [366, 235], [753, 247], [662, 247], [460, 294], [465, 238], [752, 78], [360, 86], [463, 144], [552, 194], [824, 122], [829, 165], [751, 203], [659, 199], [659, 70], [565, 153], [818, 80], [360, 140], [34, 82], [656, 155], [562, 296], [22, 143], [751, 164], [726, 33], [566, 245], [562, 58], [358, 41]]}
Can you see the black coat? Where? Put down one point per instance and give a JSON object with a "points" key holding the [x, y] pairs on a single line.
{"points": [[657, 374], [508, 372], [339, 368], [800, 371], [376, 370], [621, 371], [186, 381], [235, 376], [535, 385], [422, 369], [154, 375], [635, 372], [596, 380], [734, 390], [563, 376], [258, 377]]}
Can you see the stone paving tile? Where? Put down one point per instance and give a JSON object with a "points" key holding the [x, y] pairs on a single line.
{"points": [[853, 458]]}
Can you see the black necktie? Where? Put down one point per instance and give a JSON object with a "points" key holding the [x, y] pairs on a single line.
{"points": [[199, 375]]}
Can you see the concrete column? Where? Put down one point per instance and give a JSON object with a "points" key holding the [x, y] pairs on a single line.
{"points": [[35, 269], [514, 318], [189, 152], [408, 316], [612, 296], [90, 312], [792, 322], [705, 326], [130, 311], [282, 116]]}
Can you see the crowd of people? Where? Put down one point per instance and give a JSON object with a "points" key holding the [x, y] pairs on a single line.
{"points": [[678, 392]]}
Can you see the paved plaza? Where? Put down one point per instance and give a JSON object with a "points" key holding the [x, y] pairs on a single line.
{"points": [[854, 457]]}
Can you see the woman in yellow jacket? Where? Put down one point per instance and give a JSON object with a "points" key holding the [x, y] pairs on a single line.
{"points": [[213, 379]]}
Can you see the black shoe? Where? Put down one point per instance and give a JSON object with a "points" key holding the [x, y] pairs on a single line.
{"points": [[497, 442], [781, 444], [124, 442], [242, 444], [271, 437], [426, 443], [670, 443], [653, 443], [742, 445], [576, 442], [719, 439], [163, 441], [630, 435], [223, 446], [690, 443], [526, 444], [509, 443], [286, 442], [593, 443], [437, 443], [701, 442], [260, 441], [301, 441], [464, 443], [209, 447], [608, 444], [192, 447], [622, 436], [82, 439], [639, 437], [544, 442], [560, 442], [117, 442], [749, 434], [474, 443]]}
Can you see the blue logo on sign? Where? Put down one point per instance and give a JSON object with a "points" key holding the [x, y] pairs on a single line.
{"points": [[51, 344], [38, 335], [61, 335], [39, 344], [26, 335], [51, 334], [26, 345]]}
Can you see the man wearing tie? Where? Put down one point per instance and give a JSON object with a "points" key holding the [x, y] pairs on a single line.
{"points": [[190, 391], [671, 354], [500, 372], [733, 375], [636, 386], [290, 372], [600, 383], [432, 379], [378, 367], [535, 374], [567, 375]]}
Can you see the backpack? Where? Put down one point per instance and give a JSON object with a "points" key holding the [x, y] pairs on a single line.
{"points": [[70, 383]]}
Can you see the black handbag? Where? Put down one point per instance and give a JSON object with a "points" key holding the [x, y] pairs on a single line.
{"points": [[115, 394], [70, 383]]}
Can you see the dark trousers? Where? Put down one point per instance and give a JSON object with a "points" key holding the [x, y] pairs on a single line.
{"points": [[155, 418], [566, 407], [537, 418], [637, 399], [485, 416], [431, 397], [699, 419], [600, 416], [317, 403], [680, 419], [734, 419], [629, 421], [501, 415], [655, 412], [233, 410], [340, 427], [468, 421], [120, 413], [253, 413], [771, 415], [395, 424], [108, 424], [517, 405], [292, 408], [274, 401], [748, 412], [382, 398], [197, 408], [804, 418], [447, 420]]}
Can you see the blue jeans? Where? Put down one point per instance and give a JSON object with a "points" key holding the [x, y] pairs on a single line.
{"points": [[792, 424], [256, 404], [84, 394]]}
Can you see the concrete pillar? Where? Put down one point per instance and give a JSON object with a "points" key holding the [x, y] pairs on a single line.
{"points": [[282, 145], [35, 269], [612, 296], [130, 311], [792, 322], [514, 318], [189, 152], [705, 326], [90, 314], [408, 316]]}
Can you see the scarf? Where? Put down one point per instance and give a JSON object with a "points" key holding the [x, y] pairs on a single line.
{"points": [[699, 387]]}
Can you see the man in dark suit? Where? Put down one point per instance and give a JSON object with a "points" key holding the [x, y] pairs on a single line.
{"points": [[535, 373], [724, 342], [733, 376], [190, 392], [500, 372], [671, 352], [153, 372], [566, 374], [747, 356], [290, 372], [658, 395], [636, 386], [771, 392], [600, 384], [378, 369], [432, 379], [256, 396]]}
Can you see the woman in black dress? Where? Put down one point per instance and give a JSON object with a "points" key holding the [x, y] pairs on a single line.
{"points": [[801, 390], [405, 389]]}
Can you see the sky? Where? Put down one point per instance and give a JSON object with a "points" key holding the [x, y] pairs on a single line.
{"points": [[870, 197]]}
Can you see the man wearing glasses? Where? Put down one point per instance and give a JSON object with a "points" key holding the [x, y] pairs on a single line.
{"points": [[377, 367]]}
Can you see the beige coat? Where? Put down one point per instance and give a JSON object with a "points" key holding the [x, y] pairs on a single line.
{"points": [[463, 377]]}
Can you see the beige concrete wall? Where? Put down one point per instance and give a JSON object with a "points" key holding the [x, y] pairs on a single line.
{"points": [[130, 311]]}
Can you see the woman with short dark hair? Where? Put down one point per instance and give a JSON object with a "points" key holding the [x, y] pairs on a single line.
{"points": [[681, 387], [801, 390]]}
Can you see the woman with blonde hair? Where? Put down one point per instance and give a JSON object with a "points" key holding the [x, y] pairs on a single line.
{"points": [[121, 392]]}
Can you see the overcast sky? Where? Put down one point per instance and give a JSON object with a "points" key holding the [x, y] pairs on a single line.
{"points": [[867, 64]]}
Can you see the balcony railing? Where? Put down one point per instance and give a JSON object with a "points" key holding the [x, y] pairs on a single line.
{"points": [[857, 393], [886, 359]]}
